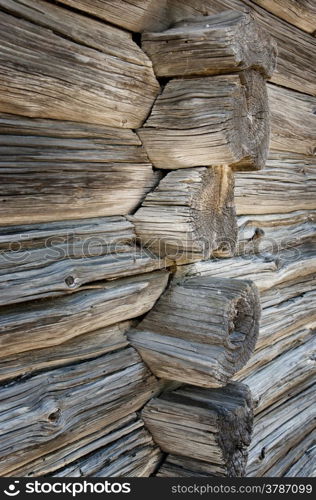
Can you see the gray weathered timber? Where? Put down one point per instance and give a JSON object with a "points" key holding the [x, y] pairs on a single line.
{"points": [[51, 322], [55, 170], [57, 405], [301, 13], [45, 260], [129, 451], [216, 120], [190, 215], [303, 459], [59, 64], [279, 428], [201, 331], [210, 45], [293, 122], [177, 466], [212, 425]]}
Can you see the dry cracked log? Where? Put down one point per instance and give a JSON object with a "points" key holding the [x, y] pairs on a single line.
{"points": [[212, 425], [210, 45], [201, 331], [56, 63], [300, 13], [303, 460], [45, 260], [190, 215], [177, 466], [216, 120], [58, 404], [54, 170]]}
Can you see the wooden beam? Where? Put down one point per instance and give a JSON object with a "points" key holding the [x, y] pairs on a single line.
{"points": [[45, 260], [201, 331], [299, 13], [177, 466], [58, 404], [216, 120], [210, 45], [55, 170], [303, 458], [209, 425], [190, 215], [58, 64]]}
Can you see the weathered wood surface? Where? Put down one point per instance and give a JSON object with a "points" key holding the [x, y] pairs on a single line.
{"points": [[210, 45], [177, 466], [54, 170], [51, 322], [293, 121], [58, 404], [59, 64], [201, 331], [305, 464], [301, 13], [129, 451], [216, 120], [189, 215], [212, 425], [86, 346], [46, 260], [285, 185], [280, 428]]}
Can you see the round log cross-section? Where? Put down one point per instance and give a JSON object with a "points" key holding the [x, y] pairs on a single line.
{"points": [[201, 331], [189, 215]]}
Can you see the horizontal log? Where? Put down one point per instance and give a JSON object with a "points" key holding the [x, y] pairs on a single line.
{"points": [[129, 451], [293, 121], [201, 331], [177, 466], [278, 429], [58, 404], [211, 45], [305, 456], [56, 63], [212, 425], [46, 260], [301, 14], [189, 215], [55, 170], [285, 185], [49, 323], [216, 120]]}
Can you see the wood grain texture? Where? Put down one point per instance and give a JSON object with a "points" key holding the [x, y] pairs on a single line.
{"points": [[127, 452], [51, 322], [177, 466], [217, 120], [190, 215], [201, 331], [211, 45], [212, 425], [57, 405], [45, 260], [59, 64], [299, 13], [55, 170], [303, 460]]}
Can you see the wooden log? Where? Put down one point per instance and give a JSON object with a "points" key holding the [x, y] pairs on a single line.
{"points": [[190, 215], [305, 465], [278, 429], [293, 121], [126, 452], [224, 43], [201, 331], [50, 323], [57, 170], [301, 14], [217, 120], [209, 425], [177, 466], [58, 404], [58, 64], [45, 260]]}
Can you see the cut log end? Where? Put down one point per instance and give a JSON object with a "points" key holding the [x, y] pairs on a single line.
{"points": [[190, 215], [211, 427], [201, 331]]}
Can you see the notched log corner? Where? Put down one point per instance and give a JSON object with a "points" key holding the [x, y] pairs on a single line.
{"points": [[201, 331], [190, 215], [211, 45], [212, 427], [211, 121]]}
